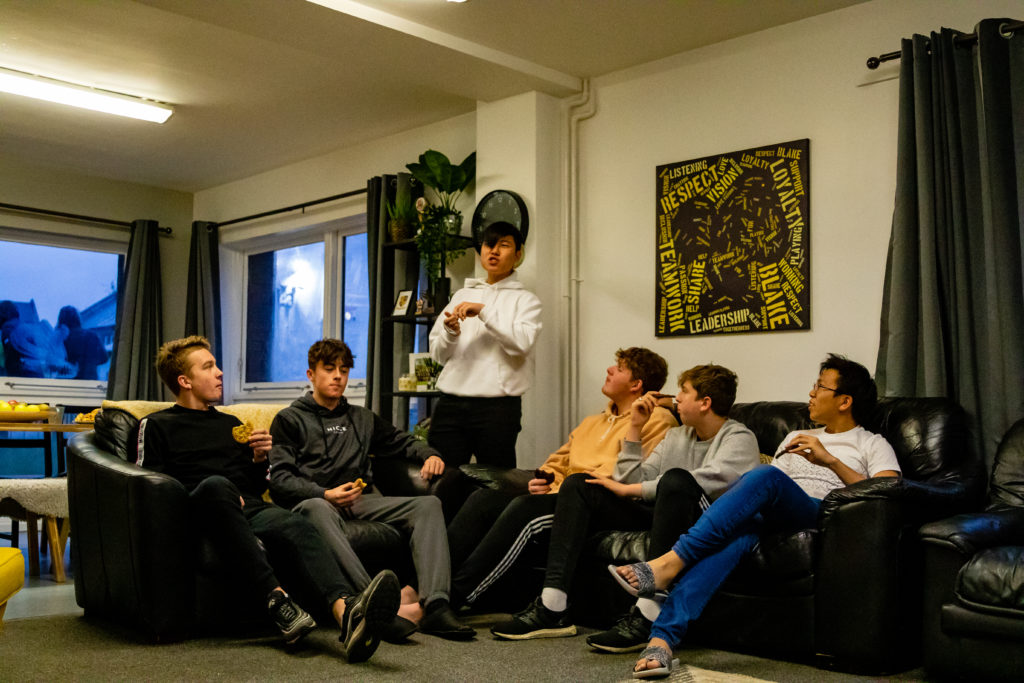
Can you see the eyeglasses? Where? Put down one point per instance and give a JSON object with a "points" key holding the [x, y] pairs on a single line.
{"points": [[818, 386]]}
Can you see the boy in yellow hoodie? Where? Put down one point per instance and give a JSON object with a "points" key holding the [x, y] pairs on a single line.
{"points": [[492, 528]]}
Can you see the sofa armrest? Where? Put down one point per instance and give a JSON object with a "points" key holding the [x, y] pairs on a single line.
{"points": [[512, 481], [400, 477], [922, 502], [133, 544], [971, 532], [867, 592]]}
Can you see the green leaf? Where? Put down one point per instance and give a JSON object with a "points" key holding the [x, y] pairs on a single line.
{"points": [[441, 168], [421, 173], [468, 166]]}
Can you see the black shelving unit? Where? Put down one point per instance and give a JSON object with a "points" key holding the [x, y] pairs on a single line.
{"points": [[401, 270]]}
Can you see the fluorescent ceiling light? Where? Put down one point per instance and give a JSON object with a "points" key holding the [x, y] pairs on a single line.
{"points": [[19, 83]]}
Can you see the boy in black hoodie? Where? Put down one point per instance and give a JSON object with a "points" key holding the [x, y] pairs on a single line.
{"points": [[322, 446], [225, 476]]}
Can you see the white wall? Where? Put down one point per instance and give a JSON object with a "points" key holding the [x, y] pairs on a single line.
{"points": [[330, 174], [518, 140], [804, 80]]}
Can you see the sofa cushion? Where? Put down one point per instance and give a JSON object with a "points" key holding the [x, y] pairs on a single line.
{"points": [[1007, 487], [117, 424], [259, 414], [993, 581], [771, 421], [780, 564]]}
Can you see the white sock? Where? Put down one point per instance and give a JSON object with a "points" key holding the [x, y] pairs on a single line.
{"points": [[649, 608], [554, 599]]}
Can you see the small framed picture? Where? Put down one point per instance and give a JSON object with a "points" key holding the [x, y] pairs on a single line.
{"points": [[402, 302]]}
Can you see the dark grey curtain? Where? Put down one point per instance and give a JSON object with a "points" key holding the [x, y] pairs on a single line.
{"points": [[376, 226], [138, 334], [202, 303], [953, 305]]}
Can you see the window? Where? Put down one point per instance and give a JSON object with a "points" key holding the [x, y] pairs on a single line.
{"points": [[57, 312], [292, 290], [284, 313]]}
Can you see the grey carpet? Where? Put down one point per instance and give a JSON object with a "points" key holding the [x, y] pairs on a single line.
{"points": [[69, 648]]}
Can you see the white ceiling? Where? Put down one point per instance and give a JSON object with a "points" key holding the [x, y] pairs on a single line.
{"points": [[257, 84]]}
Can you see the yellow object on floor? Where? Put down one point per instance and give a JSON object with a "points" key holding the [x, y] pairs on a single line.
{"points": [[12, 576]]}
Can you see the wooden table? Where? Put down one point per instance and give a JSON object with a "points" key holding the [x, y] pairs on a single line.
{"points": [[56, 534], [45, 429]]}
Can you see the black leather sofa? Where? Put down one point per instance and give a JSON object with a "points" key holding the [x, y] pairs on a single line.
{"points": [[846, 593], [137, 561], [974, 580]]}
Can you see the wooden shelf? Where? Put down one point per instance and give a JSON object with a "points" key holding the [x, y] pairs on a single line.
{"points": [[421, 319]]}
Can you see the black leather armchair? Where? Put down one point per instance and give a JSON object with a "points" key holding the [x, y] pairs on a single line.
{"points": [[848, 590], [974, 580], [137, 560]]}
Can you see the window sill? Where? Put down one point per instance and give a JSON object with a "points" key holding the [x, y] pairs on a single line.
{"points": [[77, 392], [286, 393]]}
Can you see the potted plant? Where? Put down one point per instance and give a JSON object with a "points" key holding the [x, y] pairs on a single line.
{"points": [[402, 218], [442, 219], [432, 240], [435, 171]]}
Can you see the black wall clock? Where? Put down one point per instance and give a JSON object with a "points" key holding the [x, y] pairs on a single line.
{"points": [[500, 205]]}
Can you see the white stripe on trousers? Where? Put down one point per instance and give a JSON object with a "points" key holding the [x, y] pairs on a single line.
{"points": [[532, 528]]}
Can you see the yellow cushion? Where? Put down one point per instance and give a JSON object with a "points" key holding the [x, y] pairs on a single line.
{"points": [[259, 414], [138, 409], [12, 572]]}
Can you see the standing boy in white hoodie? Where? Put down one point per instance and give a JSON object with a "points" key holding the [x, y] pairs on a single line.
{"points": [[485, 342]]}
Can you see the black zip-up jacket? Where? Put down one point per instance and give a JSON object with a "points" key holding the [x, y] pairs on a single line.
{"points": [[316, 449]]}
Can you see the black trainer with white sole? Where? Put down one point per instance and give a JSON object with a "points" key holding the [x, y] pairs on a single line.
{"points": [[536, 621], [293, 621], [629, 634], [368, 615]]}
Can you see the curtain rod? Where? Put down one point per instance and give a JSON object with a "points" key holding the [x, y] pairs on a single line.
{"points": [[74, 216], [1006, 29], [274, 212]]}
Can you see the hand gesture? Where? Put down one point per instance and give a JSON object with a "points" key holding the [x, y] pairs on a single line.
{"points": [[616, 487], [345, 495], [640, 411], [809, 447], [432, 467], [467, 309], [539, 486], [260, 442], [451, 321]]}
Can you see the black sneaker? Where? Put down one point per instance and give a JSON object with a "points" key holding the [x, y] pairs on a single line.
{"points": [[629, 634], [292, 620], [368, 615], [536, 621]]}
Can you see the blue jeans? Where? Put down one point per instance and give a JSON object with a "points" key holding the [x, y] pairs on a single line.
{"points": [[763, 500]]}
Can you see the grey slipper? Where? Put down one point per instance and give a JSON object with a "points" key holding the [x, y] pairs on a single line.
{"points": [[644, 576], [662, 657]]}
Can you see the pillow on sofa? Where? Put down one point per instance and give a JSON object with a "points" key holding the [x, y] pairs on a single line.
{"points": [[259, 414], [137, 409], [117, 424]]}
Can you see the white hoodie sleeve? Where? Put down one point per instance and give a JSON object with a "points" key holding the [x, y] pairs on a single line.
{"points": [[515, 330]]}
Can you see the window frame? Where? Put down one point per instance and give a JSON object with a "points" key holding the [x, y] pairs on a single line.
{"points": [[76, 392], [235, 248]]}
